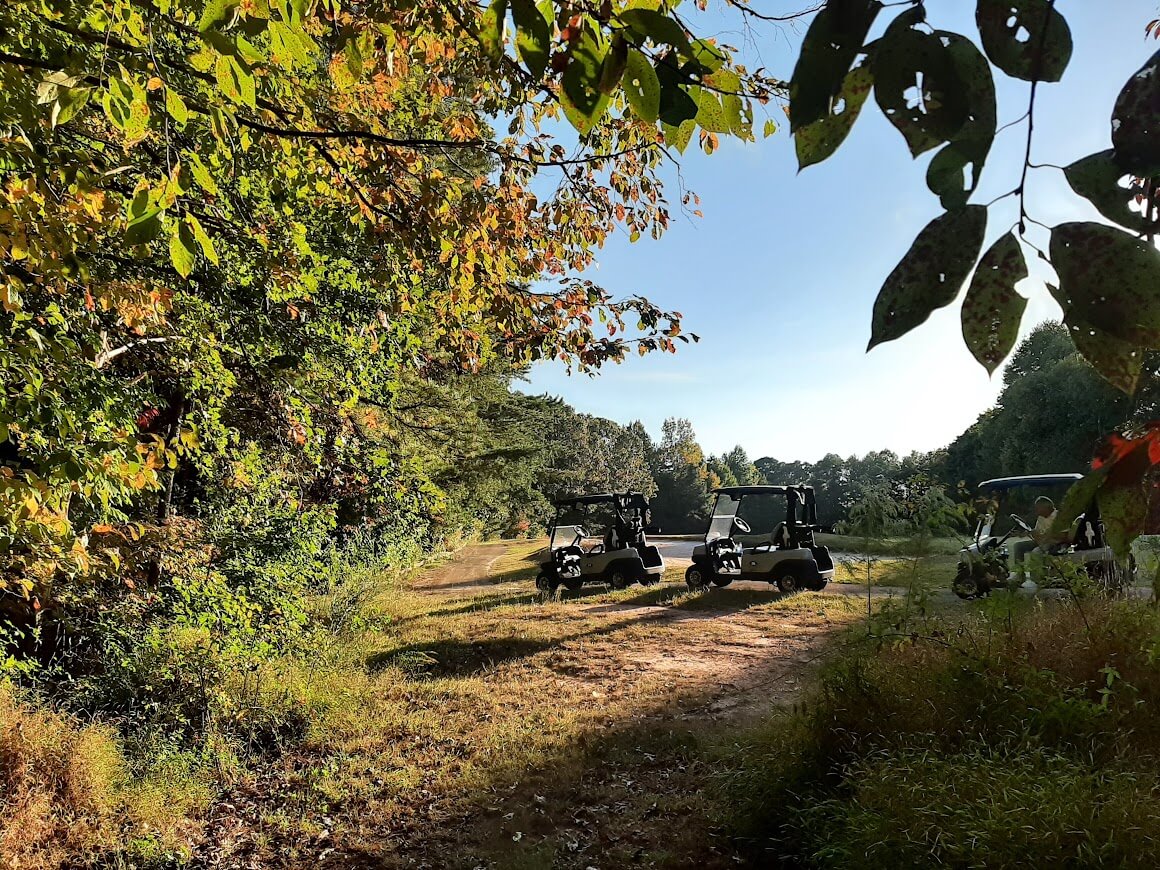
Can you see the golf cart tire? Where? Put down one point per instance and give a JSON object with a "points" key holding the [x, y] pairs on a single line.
{"points": [[574, 584], [618, 579], [697, 578], [721, 580], [546, 584], [789, 582], [965, 585]]}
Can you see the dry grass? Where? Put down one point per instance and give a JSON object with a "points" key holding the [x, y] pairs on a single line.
{"points": [[66, 794]]}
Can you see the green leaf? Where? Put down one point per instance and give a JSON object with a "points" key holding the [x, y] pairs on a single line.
{"points": [[533, 36], [218, 13], [679, 136], [654, 25], [1124, 511], [1027, 39], [710, 114], [1078, 500], [1119, 362], [642, 88], [917, 86], [992, 309], [69, 101], [1108, 279], [581, 81], [615, 63], [181, 251], [677, 103], [175, 106], [831, 46], [1136, 121], [817, 141], [708, 56], [1097, 178], [945, 176], [201, 174], [144, 219], [203, 239], [930, 275]]}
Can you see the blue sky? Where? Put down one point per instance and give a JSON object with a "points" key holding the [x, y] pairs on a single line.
{"points": [[780, 275]]}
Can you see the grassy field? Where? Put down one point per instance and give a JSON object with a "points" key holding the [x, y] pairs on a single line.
{"points": [[465, 725]]}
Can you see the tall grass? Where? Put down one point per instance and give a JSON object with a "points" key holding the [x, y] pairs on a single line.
{"points": [[1023, 732]]}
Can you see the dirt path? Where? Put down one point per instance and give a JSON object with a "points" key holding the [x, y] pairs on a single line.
{"points": [[652, 666], [471, 723]]}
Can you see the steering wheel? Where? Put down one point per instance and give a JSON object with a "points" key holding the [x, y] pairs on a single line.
{"points": [[1022, 524], [581, 534], [742, 526]]}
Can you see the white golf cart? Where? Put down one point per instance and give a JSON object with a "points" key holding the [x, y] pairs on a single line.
{"points": [[751, 538], [1007, 502], [618, 553]]}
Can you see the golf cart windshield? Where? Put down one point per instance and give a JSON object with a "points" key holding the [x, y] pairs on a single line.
{"points": [[760, 511], [582, 521]]}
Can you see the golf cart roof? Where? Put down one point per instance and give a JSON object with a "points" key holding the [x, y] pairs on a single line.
{"points": [[1002, 483], [736, 491], [596, 498]]}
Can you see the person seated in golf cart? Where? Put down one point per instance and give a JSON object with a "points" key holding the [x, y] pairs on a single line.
{"points": [[1042, 537]]}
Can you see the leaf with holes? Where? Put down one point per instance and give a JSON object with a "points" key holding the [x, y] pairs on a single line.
{"points": [[1097, 178], [1119, 362], [641, 86], [831, 46], [972, 144], [1027, 39], [679, 136], [1136, 121], [710, 113], [992, 309], [817, 141], [533, 36], [1108, 278], [931, 274], [491, 29], [917, 86]]}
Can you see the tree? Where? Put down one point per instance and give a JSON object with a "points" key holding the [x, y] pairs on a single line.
{"points": [[682, 479], [1107, 272]]}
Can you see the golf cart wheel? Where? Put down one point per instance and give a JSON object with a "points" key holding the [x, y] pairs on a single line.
{"points": [[696, 578], [617, 579], [546, 584], [573, 584], [965, 585], [788, 583], [721, 580]]}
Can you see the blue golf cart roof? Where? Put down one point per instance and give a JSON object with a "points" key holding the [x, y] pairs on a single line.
{"points": [[1002, 483]]}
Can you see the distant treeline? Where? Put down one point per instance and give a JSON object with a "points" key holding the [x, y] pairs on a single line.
{"points": [[1049, 418]]}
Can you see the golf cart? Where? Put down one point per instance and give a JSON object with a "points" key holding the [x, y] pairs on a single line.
{"points": [[746, 540], [1007, 501], [620, 555]]}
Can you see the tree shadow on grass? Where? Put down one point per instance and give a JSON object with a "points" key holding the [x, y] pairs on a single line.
{"points": [[453, 658]]}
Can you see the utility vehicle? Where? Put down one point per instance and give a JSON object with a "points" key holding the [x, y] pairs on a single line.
{"points": [[619, 555], [746, 540], [1006, 504]]}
